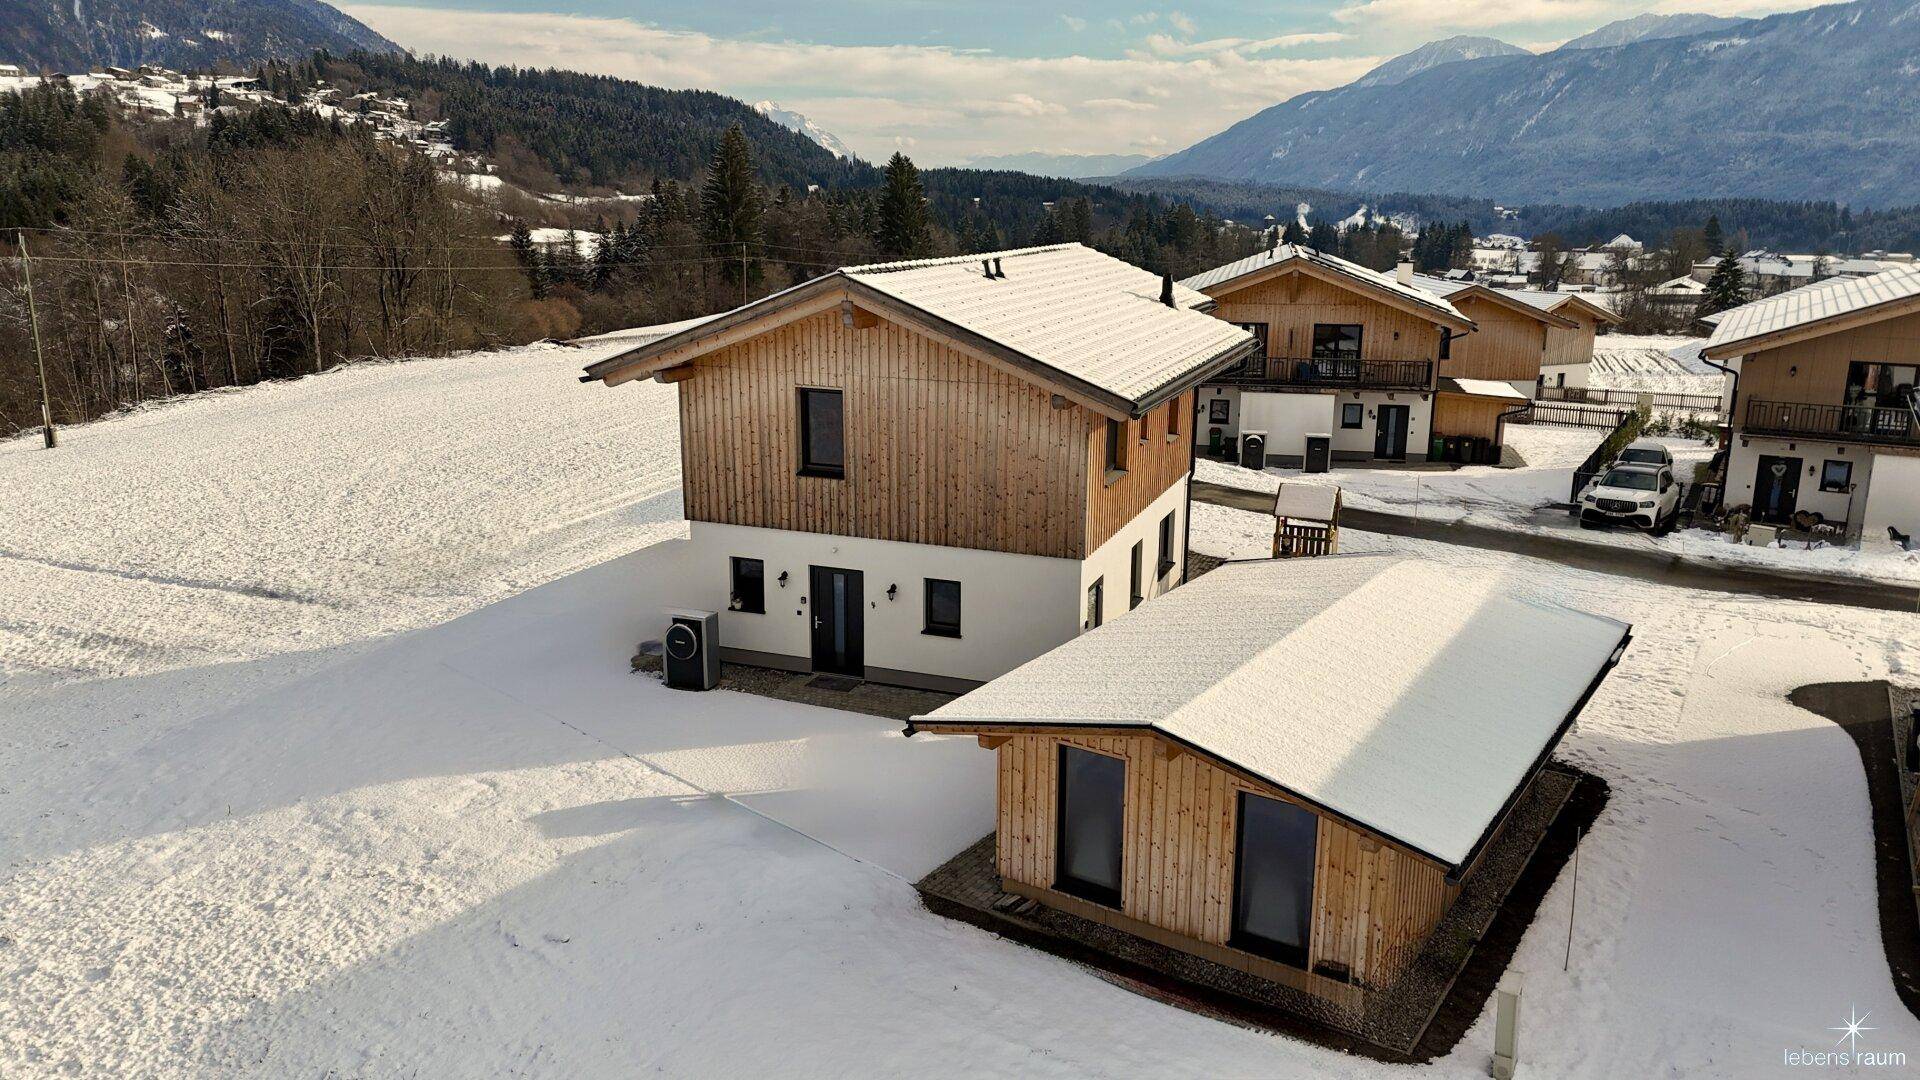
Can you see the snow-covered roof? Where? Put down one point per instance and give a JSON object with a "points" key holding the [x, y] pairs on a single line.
{"points": [[641, 335], [1818, 302], [1305, 499], [1408, 697], [1299, 253], [1542, 302], [1084, 318], [1493, 388]]}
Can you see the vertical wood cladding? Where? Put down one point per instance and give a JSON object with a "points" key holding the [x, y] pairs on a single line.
{"points": [[1154, 464], [940, 448], [1814, 371], [1292, 303], [1373, 907], [1454, 414], [1508, 346]]}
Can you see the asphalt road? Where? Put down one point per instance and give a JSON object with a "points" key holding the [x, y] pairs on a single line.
{"points": [[1604, 558]]}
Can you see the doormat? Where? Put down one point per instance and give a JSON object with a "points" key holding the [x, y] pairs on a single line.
{"points": [[841, 683]]}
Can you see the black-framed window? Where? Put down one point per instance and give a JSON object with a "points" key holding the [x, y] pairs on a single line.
{"points": [[1091, 815], [1259, 330], [1275, 845], [1446, 344], [1219, 410], [943, 608], [1096, 602], [1173, 415], [1166, 545], [1353, 414], [747, 586], [823, 433], [1836, 475], [1337, 341], [1137, 576], [1116, 446]]}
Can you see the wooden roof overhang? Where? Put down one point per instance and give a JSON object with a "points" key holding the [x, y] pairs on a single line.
{"points": [[1502, 300], [1172, 746], [1788, 335], [1350, 282], [1600, 313], [855, 298]]}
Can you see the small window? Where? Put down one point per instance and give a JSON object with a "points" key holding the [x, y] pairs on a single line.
{"points": [[822, 434], [1274, 856], [1139, 555], [1218, 410], [1336, 341], [1259, 330], [1096, 600], [1091, 826], [1143, 429], [1352, 414], [1166, 545], [1174, 408], [747, 591], [1446, 344], [1836, 476], [943, 608], [1116, 446]]}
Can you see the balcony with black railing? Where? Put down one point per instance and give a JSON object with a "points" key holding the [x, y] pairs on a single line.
{"points": [[1841, 423], [1343, 373]]}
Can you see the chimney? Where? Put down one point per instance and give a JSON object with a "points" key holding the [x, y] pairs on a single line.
{"points": [[1403, 273], [1166, 289]]}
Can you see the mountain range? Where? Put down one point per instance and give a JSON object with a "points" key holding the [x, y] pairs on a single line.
{"points": [[76, 35], [1064, 166], [1433, 54], [1813, 104], [793, 121]]}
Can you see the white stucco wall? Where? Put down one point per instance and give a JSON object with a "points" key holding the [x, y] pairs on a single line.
{"points": [[1288, 419], [1113, 560], [1012, 607], [1359, 441], [1576, 376], [1893, 497], [1203, 429], [1744, 460]]}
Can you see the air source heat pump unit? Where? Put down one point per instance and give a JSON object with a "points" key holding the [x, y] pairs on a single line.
{"points": [[690, 652], [1253, 449]]}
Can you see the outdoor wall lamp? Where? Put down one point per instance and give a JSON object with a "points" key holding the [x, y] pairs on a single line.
{"points": [[783, 579], [892, 590]]}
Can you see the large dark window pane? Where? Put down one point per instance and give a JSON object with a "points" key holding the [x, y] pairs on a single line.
{"points": [[1333, 341], [822, 433], [1093, 789], [943, 608], [748, 588], [1273, 879]]}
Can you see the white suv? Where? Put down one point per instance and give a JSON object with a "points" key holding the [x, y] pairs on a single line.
{"points": [[1639, 495]]}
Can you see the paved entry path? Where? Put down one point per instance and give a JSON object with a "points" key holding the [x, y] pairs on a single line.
{"points": [[1603, 558]]}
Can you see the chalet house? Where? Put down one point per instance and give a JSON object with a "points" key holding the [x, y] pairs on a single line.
{"points": [[927, 473], [1823, 412], [1348, 358], [1261, 803]]}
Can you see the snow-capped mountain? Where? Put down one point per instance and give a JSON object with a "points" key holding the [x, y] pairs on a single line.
{"points": [[794, 121], [1650, 27], [78, 35], [1812, 104], [1435, 53]]}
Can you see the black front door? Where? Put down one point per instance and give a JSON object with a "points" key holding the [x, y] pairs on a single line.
{"points": [[1390, 436], [1776, 488], [839, 626]]}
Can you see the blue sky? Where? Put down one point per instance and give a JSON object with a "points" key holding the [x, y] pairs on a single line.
{"points": [[948, 81]]}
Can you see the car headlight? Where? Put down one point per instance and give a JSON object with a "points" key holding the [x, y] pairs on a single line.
{"points": [[1647, 505], [1589, 499]]}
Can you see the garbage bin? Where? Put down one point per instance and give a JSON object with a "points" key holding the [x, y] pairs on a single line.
{"points": [[1437, 448], [1319, 453]]}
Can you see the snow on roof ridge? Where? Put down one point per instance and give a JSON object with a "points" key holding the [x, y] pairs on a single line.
{"points": [[955, 260], [1813, 303], [1282, 253]]}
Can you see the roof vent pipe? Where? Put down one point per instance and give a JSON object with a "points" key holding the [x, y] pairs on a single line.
{"points": [[1166, 289], [998, 270], [1403, 272], [986, 269]]}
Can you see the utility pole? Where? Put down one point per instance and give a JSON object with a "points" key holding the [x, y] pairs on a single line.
{"points": [[743, 273], [39, 357]]}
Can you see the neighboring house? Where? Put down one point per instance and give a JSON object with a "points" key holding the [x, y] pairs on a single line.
{"points": [[1495, 370], [1215, 774], [927, 473], [1350, 357], [1823, 413], [1681, 294]]}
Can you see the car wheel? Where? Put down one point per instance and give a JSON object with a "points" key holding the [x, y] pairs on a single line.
{"points": [[1587, 524], [1663, 526]]}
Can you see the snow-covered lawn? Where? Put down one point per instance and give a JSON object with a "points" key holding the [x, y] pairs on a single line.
{"points": [[1644, 362], [432, 826]]}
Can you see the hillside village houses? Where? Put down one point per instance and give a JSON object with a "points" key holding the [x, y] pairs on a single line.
{"points": [[927, 473], [1822, 399]]}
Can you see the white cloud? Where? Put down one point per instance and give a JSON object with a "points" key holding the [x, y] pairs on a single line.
{"points": [[1120, 103], [1144, 18], [1164, 45], [1074, 23], [1182, 22], [952, 104], [1473, 14]]}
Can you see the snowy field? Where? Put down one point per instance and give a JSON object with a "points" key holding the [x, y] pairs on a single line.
{"points": [[311, 765], [1645, 362]]}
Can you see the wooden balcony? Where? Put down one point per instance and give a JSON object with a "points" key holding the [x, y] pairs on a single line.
{"points": [[1340, 373], [1841, 423]]}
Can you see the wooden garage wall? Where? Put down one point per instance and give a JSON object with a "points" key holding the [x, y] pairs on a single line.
{"points": [[1374, 904], [1507, 347], [1292, 302], [1457, 414], [940, 448], [1815, 370], [1571, 346], [1154, 464]]}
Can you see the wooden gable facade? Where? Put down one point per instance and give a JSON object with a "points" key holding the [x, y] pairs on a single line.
{"points": [[1509, 344], [941, 446], [1292, 298]]}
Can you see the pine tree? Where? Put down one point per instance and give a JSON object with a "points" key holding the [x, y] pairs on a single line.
{"points": [[731, 207], [1727, 288], [1292, 233], [1325, 236], [901, 228], [1716, 243]]}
